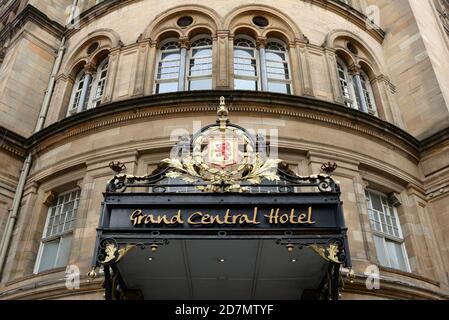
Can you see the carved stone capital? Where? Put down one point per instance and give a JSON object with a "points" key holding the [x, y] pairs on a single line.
{"points": [[354, 69], [184, 42], [261, 42]]}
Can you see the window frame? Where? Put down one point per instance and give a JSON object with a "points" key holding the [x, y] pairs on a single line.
{"points": [[64, 234], [74, 110], [286, 60], [158, 81], [190, 78], [93, 101], [257, 78], [368, 90], [386, 236], [352, 99]]}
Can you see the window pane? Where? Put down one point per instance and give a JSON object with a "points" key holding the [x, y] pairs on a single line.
{"points": [[200, 67], [240, 84], [377, 203], [203, 52], [278, 87], [244, 54], [64, 251], [396, 255], [166, 56], [380, 249], [49, 253], [167, 87], [276, 56], [202, 84]]}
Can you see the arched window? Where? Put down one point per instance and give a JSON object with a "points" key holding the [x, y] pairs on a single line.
{"points": [[277, 65], [200, 64], [246, 74], [346, 86], [167, 78], [368, 93], [88, 88], [78, 101], [99, 83], [356, 89], [265, 69]]}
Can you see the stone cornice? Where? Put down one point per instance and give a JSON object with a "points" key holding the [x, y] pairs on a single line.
{"points": [[96, 11], [13, 143], [353, 15], [116, 113], [437, 139], [335, 6], [30, 13], [179, 103]]}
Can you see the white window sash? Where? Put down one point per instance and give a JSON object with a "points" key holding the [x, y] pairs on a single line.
{"points": [[60, 236], [257, 77], [286, 60], [158, 61], [190, 78], [384, 235]]}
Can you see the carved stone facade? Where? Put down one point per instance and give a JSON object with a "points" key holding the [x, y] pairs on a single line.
{"points": [[371, 96]]}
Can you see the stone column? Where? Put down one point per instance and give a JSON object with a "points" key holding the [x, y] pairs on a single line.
{"points": [[112, 74], [184, 43], [333, 74], [142, 57], [384, 90], [294, 68], [151, 68], [306, 77], [221, 63], [261, 44]]}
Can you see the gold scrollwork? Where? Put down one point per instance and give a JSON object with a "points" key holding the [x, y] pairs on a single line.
{"points": [[112, 254], [329, 253], [253, 167]]}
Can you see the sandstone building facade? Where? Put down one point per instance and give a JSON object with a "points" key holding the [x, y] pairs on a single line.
{"points": [[363, 83]]}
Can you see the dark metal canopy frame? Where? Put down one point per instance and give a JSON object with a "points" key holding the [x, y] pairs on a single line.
{"points": [[262, 188]]}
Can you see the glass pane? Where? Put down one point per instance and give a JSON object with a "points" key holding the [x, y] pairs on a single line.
{"points": [[200, 67], [245, 67], [376, 201], [380, 249], [242, 53], [167, 87], [204, 52], [396, 255], [49, 253], [278, 87], [240, 84], [64, 251], [203, 84], [170, 56], [276, 56]]}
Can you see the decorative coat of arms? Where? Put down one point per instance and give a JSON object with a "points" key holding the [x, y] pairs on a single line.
{"points": [[224, 158]]}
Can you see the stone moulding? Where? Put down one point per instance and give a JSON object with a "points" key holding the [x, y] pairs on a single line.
{"points": [[13, 143], [30, 13], [338, 7], [181, 103]]}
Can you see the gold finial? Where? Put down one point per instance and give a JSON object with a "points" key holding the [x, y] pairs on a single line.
{"points": [[223, 113], [92, 274]]}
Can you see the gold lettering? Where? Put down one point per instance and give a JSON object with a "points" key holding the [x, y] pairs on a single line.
{"points": [[301, 219], [177, 219], [310, 217], [193, 216], [135, 217]]}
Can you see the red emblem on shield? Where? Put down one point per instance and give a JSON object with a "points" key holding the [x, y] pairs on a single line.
{"points": [[223, 151]]}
